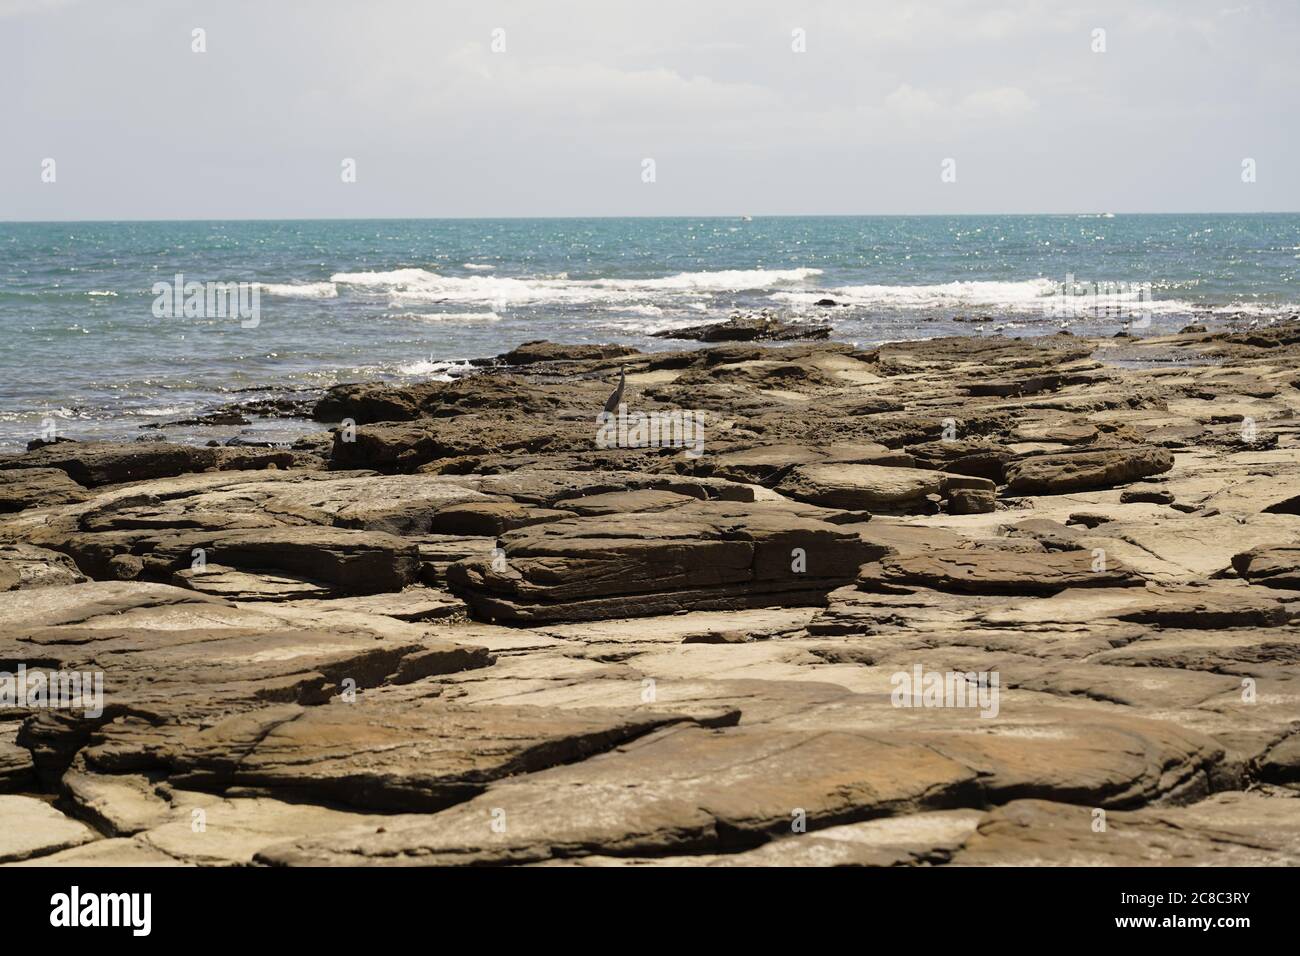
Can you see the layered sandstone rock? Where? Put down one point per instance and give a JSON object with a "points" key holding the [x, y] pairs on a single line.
{"points": [[632, 656], [699, 555]]}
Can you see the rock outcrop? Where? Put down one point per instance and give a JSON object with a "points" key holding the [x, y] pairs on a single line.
{"points": [[938, 600]]}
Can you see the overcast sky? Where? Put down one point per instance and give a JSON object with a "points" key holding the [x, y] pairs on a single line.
{"points": [[559, 123]]}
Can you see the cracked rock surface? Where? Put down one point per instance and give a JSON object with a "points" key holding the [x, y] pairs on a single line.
{"points": [[946, 603]]}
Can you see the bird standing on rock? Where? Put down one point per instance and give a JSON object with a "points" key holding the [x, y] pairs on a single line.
{"points": [[615, 399]]}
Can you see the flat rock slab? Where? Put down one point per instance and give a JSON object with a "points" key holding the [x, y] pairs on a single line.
{"points": [[1084, 470], [337, 707], [1202, 546], [681, 790], [417, 755], [1098, 754], [919, 838], [428, 441], [22, 488], [768, 464], [988, 571], [412, 604], [1228, 829], [249, 586], [701, 556], [1209, 608], [860, 487], [687, 790], [92, 464], [171, 656], [234, 830], [53, 606], [168, 648], [350, 562], [121, 851], [32, 827], [624, 502]]}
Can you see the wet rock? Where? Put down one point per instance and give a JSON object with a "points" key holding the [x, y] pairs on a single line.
{"points": [[404, 448], [102, 463], [748, 328], [371, 402], [530, 353], [1032, 384], [93, 464], [229, 416], [367, 402]]}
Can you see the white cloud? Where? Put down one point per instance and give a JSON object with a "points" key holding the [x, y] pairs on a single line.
{"points": [[1003, 102], [917, 107], [17, 8], [911, 104], [713, 90]]}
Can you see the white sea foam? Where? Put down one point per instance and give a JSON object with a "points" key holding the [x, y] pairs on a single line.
{"points": [[451, 316], [422, 285], [300, 290], [478, 266], [651, 325], [636, 309], [1030, 295], [728, 280], [1254, 308], [102, 292], [436, 371]]}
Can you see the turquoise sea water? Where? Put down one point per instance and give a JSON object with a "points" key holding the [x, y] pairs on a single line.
{"points": [[80, 343]]}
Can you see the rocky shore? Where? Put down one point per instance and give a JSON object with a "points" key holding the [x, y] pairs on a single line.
{"points": [[966, 601]]}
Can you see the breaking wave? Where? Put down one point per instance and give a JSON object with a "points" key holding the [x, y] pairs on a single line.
{"points": [[422, 285]]}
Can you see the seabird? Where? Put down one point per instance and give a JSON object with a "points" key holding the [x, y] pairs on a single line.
{"points": [[614, 400]]}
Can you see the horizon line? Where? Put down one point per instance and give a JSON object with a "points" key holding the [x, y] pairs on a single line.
{"points": [[722, 216]]}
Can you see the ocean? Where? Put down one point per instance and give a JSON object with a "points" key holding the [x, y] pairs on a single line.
{"points": [[84, 351]]}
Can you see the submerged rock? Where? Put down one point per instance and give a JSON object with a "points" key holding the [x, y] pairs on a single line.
{"points": [[749, 328]]}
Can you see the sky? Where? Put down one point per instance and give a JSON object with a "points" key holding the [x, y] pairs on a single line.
{"points": [[562, 116]]}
